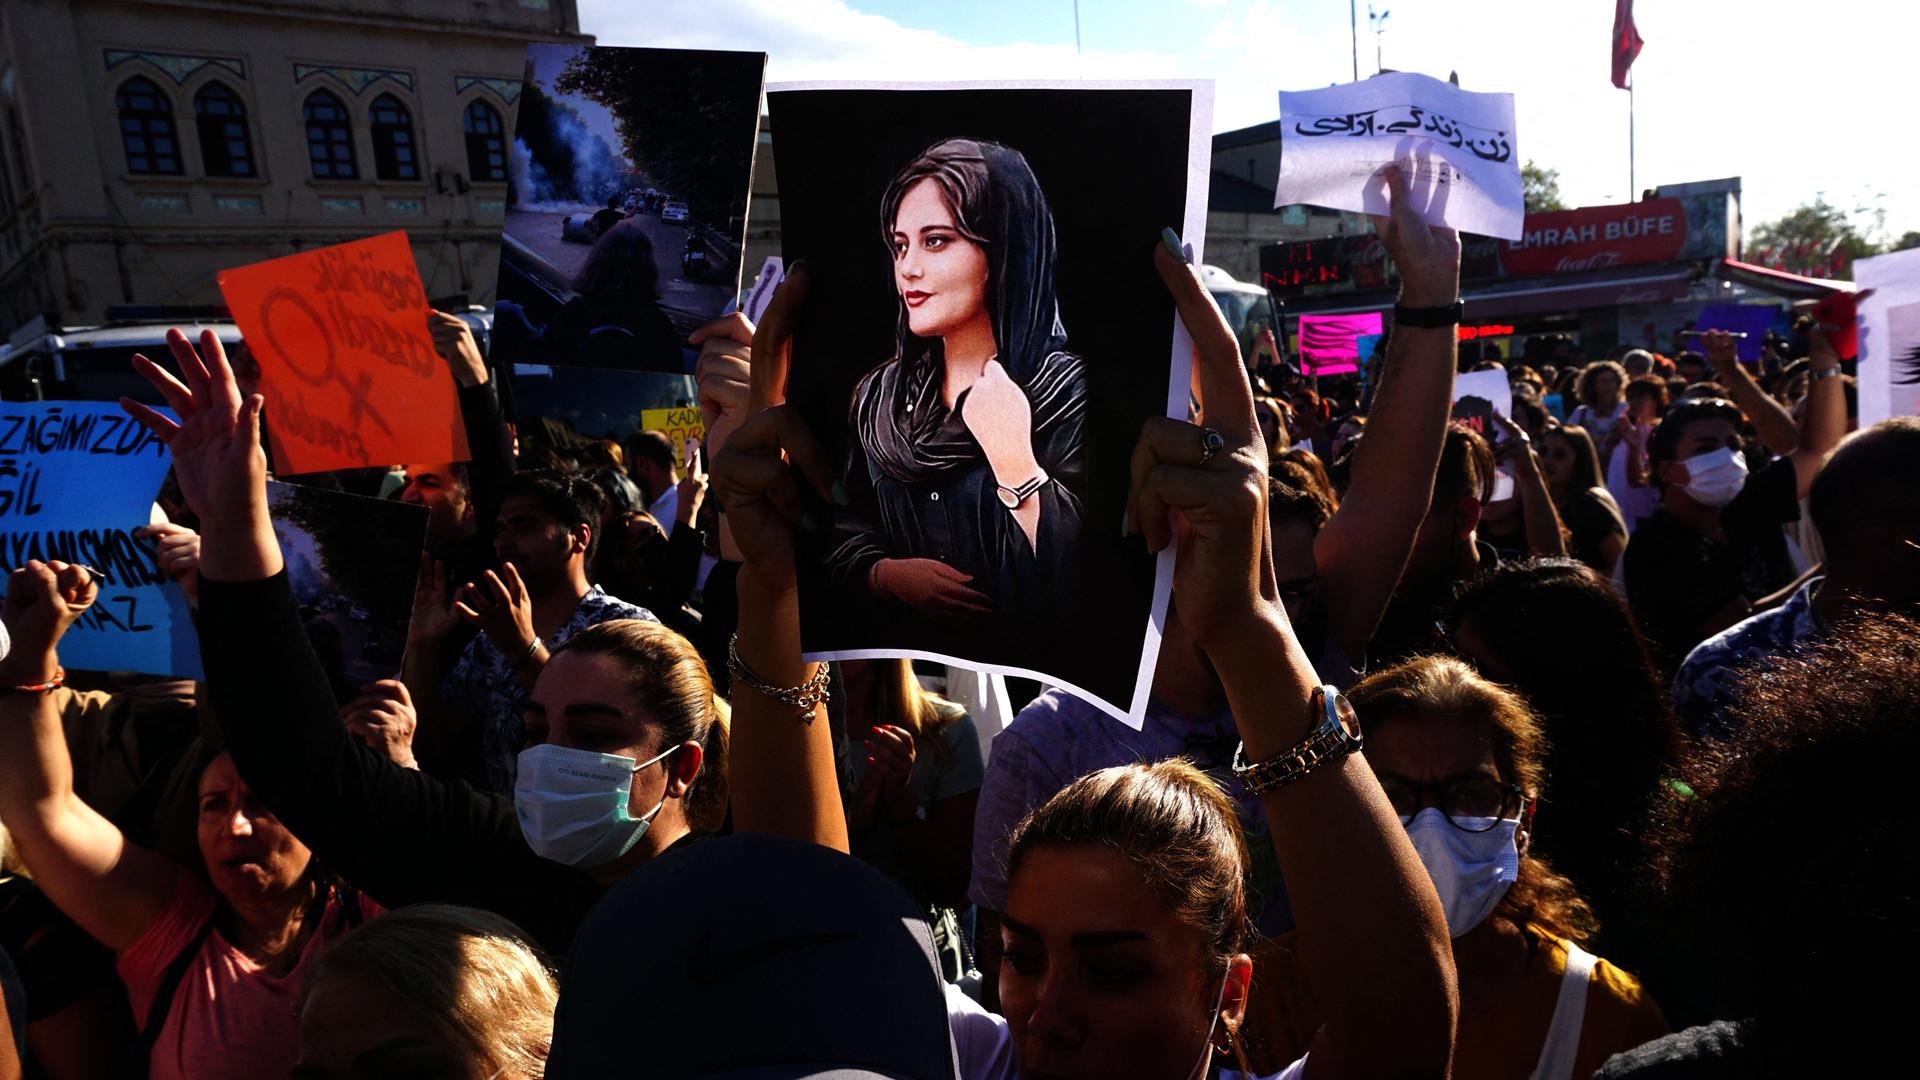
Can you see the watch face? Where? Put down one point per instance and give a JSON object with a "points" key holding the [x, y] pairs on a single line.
{"points": [[1008, 499], [1342, 711]]}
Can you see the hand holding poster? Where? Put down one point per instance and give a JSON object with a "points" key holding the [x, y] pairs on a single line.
{"points": [[1478, 397], [1753, 320], [346, 362], [1456, 150], [76, 480], [1889, 335], [984, 337]]}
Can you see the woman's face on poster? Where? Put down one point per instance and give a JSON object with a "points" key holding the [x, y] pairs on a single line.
{"points": [[940, 274]]}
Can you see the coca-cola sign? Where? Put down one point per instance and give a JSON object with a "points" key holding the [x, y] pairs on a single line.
{"points": [[1594, 237]]}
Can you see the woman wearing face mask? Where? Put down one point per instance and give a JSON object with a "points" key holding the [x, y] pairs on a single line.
{"points": [[1125, 909], [626, 741], [966, 472], [214, 952], [1462, 760]]}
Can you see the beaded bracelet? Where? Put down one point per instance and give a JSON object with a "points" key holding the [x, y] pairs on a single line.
{"points": [[804, 697], [59, 680]]}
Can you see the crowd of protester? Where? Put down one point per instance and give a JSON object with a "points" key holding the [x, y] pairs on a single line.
{"points": [[1614, 661]]}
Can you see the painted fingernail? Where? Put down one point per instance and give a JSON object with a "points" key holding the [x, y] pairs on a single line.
{"points": [[1171, 240], [841, 495], [792, 267]]}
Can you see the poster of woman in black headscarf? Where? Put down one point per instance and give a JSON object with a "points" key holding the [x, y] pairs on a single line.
{"points": [[985, 337]]}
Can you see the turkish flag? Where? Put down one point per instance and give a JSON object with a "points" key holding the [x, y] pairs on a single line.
{"points": [[1626, 41]]}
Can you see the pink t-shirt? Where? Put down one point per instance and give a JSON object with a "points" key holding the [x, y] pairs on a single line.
{"points": [[230, 1018]]}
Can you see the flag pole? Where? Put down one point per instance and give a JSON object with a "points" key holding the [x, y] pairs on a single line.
{"points": [[1633, 189]]}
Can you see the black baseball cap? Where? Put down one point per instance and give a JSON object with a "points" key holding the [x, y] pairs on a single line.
{"points": [[753, 958]]}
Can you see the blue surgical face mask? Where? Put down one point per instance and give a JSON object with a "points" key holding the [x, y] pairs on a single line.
{"points": [[1470, 871], [572, 804]]}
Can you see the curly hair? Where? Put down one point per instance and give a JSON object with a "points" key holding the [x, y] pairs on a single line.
{"points": [[1786, 854], [1591, 374], [1437, 686]]}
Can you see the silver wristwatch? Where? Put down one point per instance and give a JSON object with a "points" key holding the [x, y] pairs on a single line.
{"points": [[1012, 497], [1336, 735]]}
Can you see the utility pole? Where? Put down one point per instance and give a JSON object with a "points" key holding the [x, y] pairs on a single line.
{"points": [[1379, 25], [1353, 18]]}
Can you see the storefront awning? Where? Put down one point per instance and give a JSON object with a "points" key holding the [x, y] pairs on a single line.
{"points": [[1777, 282], [1508, 299]]}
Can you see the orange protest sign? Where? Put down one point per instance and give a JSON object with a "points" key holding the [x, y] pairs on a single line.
{"points": [[346, 363]]}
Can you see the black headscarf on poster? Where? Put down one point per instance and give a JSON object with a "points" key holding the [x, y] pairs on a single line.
{"points": [[897, 408]]}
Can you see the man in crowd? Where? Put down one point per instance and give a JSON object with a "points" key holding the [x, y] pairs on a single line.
{"points": [[463, 498], [1866, 507], [1714, 553], [1446, 550], [539, 597], [654, 464]]}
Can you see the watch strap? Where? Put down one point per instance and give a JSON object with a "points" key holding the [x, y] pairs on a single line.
{"points": [[1025, 489], [1429, 317], [1328, 741]]}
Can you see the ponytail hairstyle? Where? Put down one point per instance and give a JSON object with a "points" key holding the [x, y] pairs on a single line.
{"points": [[1180, 832], [670, 687]]}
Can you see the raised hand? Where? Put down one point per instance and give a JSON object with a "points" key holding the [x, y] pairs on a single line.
{"points": [[43, 600], [216, 441], [433, 614], [1216, 503], [722, 375], [503, 610], [383, 717], [177, 553], [1720, 351], [692, 489], [762, 473], [453, 340], [1428, 256]]}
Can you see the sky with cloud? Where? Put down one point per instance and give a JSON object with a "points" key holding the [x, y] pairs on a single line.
{"points": [[1795, 98]]}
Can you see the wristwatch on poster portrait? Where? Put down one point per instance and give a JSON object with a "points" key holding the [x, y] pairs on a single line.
{"points": [[1335, 734], [1012, 497]]}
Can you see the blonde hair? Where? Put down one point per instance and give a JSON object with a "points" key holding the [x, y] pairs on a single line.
{"points": [[470, 975], [898, 698]]}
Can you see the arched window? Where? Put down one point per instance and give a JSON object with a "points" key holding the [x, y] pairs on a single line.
{"points": [[393, 152], [146, 129], [221, 118], [486, 143], [329, 137]]}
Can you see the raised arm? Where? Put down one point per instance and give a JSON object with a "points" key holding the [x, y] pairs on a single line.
{"points": [[396, 833], [781, 773], [1826, 416], [1542, 520], [110, 887], [1372, 935], [1771, 421], [1362, 549]]}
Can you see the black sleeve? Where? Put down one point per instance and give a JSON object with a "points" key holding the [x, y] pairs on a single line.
{"points": [[492, 449], [681, 568], [1770, 497], [398, 834]]}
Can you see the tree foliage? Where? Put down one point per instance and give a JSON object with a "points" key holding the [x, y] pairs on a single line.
{"points": [[688, 119], [1816, 239], [1541, 186]]}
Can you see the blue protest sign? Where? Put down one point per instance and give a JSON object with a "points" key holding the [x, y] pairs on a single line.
{"points": [[76, 479]]}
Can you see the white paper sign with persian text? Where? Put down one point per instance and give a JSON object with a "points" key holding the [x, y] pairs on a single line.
{"points": [[1457, 150], [1889, 336]]}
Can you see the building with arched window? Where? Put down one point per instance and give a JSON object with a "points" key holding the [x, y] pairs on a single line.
{"points": [[220, 119], [146, 147], [391, 125]]}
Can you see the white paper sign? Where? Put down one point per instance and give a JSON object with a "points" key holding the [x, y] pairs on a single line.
{"points": [[1493, 388], [1456, 149], [1889, 336], [764, 286]]}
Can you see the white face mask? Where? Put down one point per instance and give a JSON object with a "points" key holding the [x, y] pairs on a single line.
{"points": [[572, 804], [1470, 871], [1715, 477]]}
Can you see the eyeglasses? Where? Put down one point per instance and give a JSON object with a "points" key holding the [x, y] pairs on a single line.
{"points": [[1472, 804]]}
